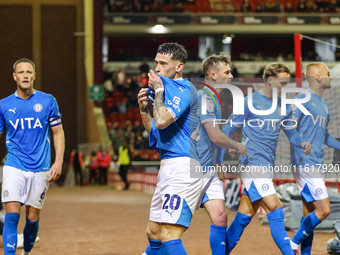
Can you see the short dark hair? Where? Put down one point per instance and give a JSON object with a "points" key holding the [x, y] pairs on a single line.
{"points": [[23, 60], [274, 69], [177, 51], [215, 61]]}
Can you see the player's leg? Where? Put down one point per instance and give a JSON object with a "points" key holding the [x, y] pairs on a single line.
{"points": [[171, 235], [153, 232], [13, 186], [306, 244], [31, 227], [10, 232], [214, 204], [37, 184], [180, 195], [315, 203], [244, 214], [273, 208], [310, 221]]}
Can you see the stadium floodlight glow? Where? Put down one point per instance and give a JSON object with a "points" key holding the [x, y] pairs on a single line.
{"points": [[158, 29], [227, 40]]}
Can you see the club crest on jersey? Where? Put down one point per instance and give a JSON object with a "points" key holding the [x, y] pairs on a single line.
{"points": [[265, 187], [37, 107], [318, 191], [6, 193]]}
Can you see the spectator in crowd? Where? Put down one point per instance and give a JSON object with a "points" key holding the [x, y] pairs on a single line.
{"points": [[333, 5], [258, 57], [280, 58], [310, 6], [108, 86], [141, 143], [246, 6], [270, 6], [144, 67], [178, 7], [290, 57], [234, 71], [143, 81], [137, 128], [76, 161], [302, 6], [124, 159], [261, 7], [104, 161], [92, 165], [289, 7]]}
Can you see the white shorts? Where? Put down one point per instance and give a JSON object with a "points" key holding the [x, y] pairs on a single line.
{"points": [[212, 189], [27, 188], [310, 181], [176, 194], [257, 181]]}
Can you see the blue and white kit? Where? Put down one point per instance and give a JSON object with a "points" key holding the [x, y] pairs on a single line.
{"points": [[176, 194], [314, 129], [28, 143], [212, 187], [260, 135]]}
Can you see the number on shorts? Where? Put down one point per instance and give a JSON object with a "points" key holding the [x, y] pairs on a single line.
{"points": [[172, 202]]}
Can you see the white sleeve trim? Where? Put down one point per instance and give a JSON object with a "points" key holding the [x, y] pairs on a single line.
{"points": [[208, 120], [172, 113]]}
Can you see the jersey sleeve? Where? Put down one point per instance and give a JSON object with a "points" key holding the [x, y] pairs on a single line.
{"points": [[207, 108], [55, 115], [177, 100]]}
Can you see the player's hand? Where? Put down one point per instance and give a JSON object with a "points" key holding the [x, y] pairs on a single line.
{"points": [[155, 81], [54, 173], [220, 173], [307, 146], [241, 149], [143, 99]]}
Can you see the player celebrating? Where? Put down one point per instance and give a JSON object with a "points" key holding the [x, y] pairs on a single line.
{"points": [[173, 131], [307, 174], [27, 116], [216, 70], [261, 141]]}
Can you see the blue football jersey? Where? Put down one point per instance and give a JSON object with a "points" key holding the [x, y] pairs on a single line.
{"points": [[27, 123], [179, 138], [312, 128], [205, 147], [260, 133]]}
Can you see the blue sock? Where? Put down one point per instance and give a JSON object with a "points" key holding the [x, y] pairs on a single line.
{"points": [[218, 240], [306, 227], [148, 250], [30, 234], [174, 247], [278, 231], [306, 244], [10, 233], [236, 228], [156, 247]]}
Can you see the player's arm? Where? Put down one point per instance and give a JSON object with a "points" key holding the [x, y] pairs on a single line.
{"points": [[220, 139], [295, 139], [146, 117], [59, 146], [330, 141], [163, 118]]}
